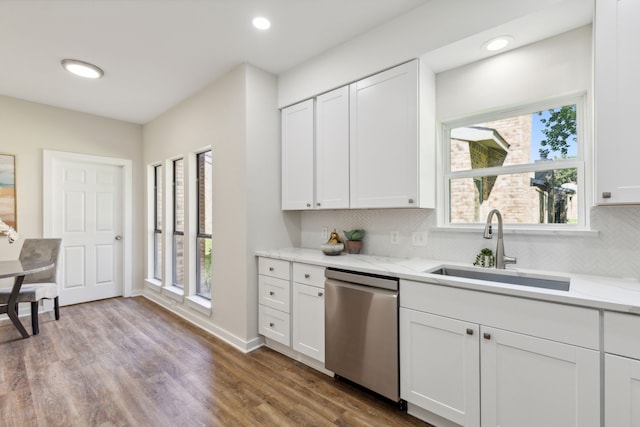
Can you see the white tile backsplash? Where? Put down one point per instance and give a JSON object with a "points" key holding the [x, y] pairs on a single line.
{"points": [[614, 252]]}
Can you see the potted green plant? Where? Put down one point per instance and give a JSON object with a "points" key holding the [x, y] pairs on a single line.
{"points": [[354, 240]]}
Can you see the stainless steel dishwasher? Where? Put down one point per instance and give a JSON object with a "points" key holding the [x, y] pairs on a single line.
{"points": [[361, 330]]}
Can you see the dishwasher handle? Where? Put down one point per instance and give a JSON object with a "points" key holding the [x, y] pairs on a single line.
{"points": [[331, 284], [374, 281]]}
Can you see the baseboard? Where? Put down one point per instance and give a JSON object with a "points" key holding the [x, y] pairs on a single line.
{"points": [[196, 320]]}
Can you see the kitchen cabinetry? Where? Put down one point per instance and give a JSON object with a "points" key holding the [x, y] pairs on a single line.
{"points": [[332, 149], [617, 66], [475, 358], [298, 156], [274, 290], [622, 370], [440, 365], [358, 146], [291, 308], [308, 310], [384, 139]]}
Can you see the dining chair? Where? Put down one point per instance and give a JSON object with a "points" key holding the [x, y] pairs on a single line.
{"points": [[38, 286]]}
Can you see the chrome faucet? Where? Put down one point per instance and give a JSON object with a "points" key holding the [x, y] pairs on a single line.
{"points": [[501, 258]]}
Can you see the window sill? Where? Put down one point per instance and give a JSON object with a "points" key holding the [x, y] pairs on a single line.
{"points": [[199, 304], [174, 292], [524, 231], [153, 284]]}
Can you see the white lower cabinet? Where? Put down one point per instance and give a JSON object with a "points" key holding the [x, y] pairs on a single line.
{"points": [[460, 365], [532, 382], [440, 365], [291, 309], [622, 391], [308, 320], [274, 296], [622, 370]]}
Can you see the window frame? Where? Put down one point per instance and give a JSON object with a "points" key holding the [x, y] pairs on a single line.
{"points": [[201, 234], [157, 225], [175, 232], [580, 162]]}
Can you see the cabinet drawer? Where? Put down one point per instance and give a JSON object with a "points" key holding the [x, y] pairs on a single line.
{"points": [[274, 324], [622, 334], [274, 293], [274, 268], [312, 275]]}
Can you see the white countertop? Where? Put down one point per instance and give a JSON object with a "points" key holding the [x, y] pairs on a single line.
{"points": [[588, 291]]}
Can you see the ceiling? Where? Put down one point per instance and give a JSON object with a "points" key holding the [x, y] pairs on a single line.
{"points": [[156, 53]]}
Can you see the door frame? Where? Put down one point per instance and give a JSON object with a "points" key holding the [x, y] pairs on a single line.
{"points": [[49, 157]]}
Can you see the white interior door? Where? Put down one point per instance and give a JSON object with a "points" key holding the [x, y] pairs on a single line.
{"points": [[87, 213]]}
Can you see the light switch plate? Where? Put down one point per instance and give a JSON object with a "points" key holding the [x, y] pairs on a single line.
{"points": [[325, 233]]}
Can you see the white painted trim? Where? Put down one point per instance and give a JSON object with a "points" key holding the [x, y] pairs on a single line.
{"points": [[48, 158], [205, 324]]}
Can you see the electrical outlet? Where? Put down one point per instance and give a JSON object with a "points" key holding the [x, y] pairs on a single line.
{"points": [[419, 238], [395, 237], [325, 233]]}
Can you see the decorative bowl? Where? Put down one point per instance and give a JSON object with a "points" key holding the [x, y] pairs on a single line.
{"points": [[332, 248]]}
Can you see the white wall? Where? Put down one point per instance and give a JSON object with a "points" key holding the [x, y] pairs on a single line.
{"points": [[27, 128], [237, 116], [551, 67]]}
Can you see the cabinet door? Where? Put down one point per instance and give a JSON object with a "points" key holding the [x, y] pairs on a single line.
{"points": [[533, 382], [617, 67], [622, 391], [332, 149], [308, 321], [440, 366], [384, 139], [297, 156]]}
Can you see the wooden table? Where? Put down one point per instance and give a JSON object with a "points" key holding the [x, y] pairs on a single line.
{"points": [[18, 270]]}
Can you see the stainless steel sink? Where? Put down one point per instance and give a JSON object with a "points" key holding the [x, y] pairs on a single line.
{"points": [[505, 276]]}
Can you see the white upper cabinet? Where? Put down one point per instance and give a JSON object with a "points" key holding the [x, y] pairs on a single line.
{"points": [[384, 139], [298, 156], [332, 149], [617, 67]]}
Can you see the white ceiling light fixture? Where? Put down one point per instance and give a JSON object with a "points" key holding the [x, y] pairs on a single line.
{"points": [[497, 43], [261, 23], [82, 68]]}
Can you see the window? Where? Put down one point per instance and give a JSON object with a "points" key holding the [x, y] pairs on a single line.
{"points": [[157, 222], [203, 239], [178, 223], [527, 163]]}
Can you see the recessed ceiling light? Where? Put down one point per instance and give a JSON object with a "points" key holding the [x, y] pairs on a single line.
{"points": [[497, 43], [261, 23], [82, 69]]}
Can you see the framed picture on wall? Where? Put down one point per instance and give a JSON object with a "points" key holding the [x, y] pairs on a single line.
{"points": [[8, 190]]}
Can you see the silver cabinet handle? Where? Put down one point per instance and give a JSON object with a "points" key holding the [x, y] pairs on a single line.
{"points": [[410, 201], [307, 275], [469, 331], [308, 205], [271, 324], [271, 268], [606, 195], [320, 294], [487, 336], [272, 293], [118, 237]]}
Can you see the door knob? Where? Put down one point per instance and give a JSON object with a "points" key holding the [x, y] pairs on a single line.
{"points": [[118, 237]]}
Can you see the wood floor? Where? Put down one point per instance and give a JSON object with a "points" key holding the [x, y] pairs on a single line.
{"points": [[128, 362]]}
